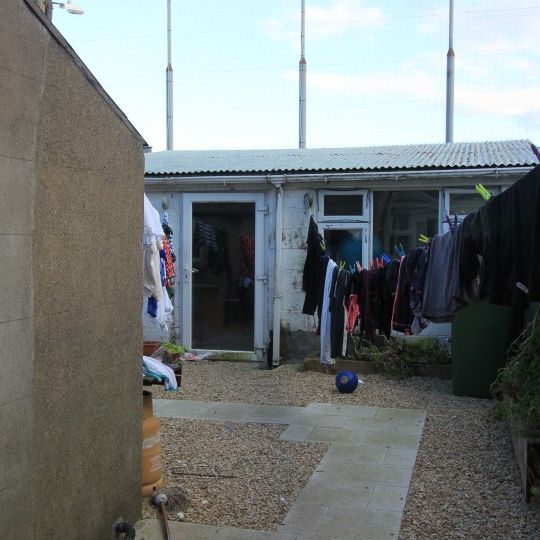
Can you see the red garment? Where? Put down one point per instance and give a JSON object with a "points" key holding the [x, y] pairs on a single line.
{"points": [[352, 313], [169, 263], [247, 255]]}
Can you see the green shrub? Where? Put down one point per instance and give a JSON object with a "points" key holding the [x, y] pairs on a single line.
{"points": [[519, 381]]}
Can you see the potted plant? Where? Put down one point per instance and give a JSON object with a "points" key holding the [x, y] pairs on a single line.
{"points": [[172, 352]]}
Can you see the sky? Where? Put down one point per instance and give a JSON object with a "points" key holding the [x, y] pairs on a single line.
{"points": [[376, 69]]}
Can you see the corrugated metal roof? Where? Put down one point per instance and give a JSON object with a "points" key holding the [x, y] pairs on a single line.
{"points": [[371, 158]]}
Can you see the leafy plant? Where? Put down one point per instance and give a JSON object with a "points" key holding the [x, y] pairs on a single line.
{"points": [[174, 348], [519, 380], [388, 358]]}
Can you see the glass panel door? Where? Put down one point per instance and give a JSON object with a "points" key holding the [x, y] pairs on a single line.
{"points": [[223, 276]]}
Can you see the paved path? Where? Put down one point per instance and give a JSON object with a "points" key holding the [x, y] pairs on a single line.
{"points": [[357, 491]]}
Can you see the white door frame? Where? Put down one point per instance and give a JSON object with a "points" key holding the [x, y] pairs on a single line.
{"points": [[260, 270]]}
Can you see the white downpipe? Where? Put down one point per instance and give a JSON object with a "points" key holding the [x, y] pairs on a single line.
{"points": [[278, 292]]}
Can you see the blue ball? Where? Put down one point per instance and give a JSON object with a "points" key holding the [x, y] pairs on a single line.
{"points": [[346, 382]]}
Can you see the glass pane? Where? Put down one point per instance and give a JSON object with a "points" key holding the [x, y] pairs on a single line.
{"points": [[399, 217], [343, 205], [223, 285], [344, 245], [465, 203]]}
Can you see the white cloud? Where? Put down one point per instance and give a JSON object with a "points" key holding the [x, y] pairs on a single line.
{"points": [[342, 16], [419, 85], [506, 102], [338, 18], [414, 83]]}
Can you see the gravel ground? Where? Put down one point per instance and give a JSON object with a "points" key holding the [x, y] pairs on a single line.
{"points": [[466, 481], [238, 475]]}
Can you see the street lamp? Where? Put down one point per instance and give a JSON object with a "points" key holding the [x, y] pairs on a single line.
{"points": [[68, 6]]}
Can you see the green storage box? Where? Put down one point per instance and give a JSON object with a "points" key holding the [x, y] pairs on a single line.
{"points": [[481, 336]]}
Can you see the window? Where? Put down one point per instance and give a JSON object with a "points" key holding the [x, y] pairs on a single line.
{"points": [[342, 205], [400, 217], [346, 242], [461, 202]]}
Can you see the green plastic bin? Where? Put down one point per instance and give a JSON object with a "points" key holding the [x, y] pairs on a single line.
{"points": [[481, 336]]}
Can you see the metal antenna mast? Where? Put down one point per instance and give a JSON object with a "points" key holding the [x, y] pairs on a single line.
{"points": [[450, 57], [302, 80], [169, 78]]}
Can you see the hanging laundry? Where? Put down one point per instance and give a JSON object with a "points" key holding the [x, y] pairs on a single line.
{"points": [[205, 235], [442, 279], [247, 255], [340, 291], [169, 263], [402, 316], [325, 326], [310, 275]]}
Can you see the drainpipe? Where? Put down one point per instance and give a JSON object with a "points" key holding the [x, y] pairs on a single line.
{"points": [[278, 293]]}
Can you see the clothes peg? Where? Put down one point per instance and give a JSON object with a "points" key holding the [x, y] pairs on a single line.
{"points": [[359, 267], [485, 194], [423, 239], [399, 250], [352, 268], [386, 258]]}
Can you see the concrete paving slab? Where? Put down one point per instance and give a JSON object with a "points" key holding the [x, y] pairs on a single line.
{"points": [[321, 420], [179, 408], [230, 533], [303, 519], [401, 456], [411, 428], [352, 475], [354, 454], [334, 479], [234, 412], [393, 440], [335, 497], [296, 432], [389, 498], [273, 414], [152, 529], [401, 414], [371, 424], [361, 525], [336, 435], [364, 411]]}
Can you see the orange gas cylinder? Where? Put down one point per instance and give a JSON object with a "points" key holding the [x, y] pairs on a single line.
{"points": [[152, 466]]}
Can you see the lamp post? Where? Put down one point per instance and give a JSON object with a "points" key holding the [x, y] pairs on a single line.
{"points": [[68, 6]]}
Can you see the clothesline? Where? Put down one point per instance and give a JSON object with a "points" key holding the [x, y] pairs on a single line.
{"points": [[492, 254]]}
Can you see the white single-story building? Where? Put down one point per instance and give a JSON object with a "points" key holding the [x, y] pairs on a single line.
{"points": [[240, 221]]}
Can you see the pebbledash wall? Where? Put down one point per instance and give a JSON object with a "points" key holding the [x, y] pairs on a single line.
{"points": [[71, 183], [306, 177]]}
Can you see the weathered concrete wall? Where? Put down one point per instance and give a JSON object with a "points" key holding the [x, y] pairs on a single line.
{"points": [[70, 335], [21, 76], [298, 338]]}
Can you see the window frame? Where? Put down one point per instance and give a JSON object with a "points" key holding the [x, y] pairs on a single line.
{"points": [[362, 217], [363, 226]]}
